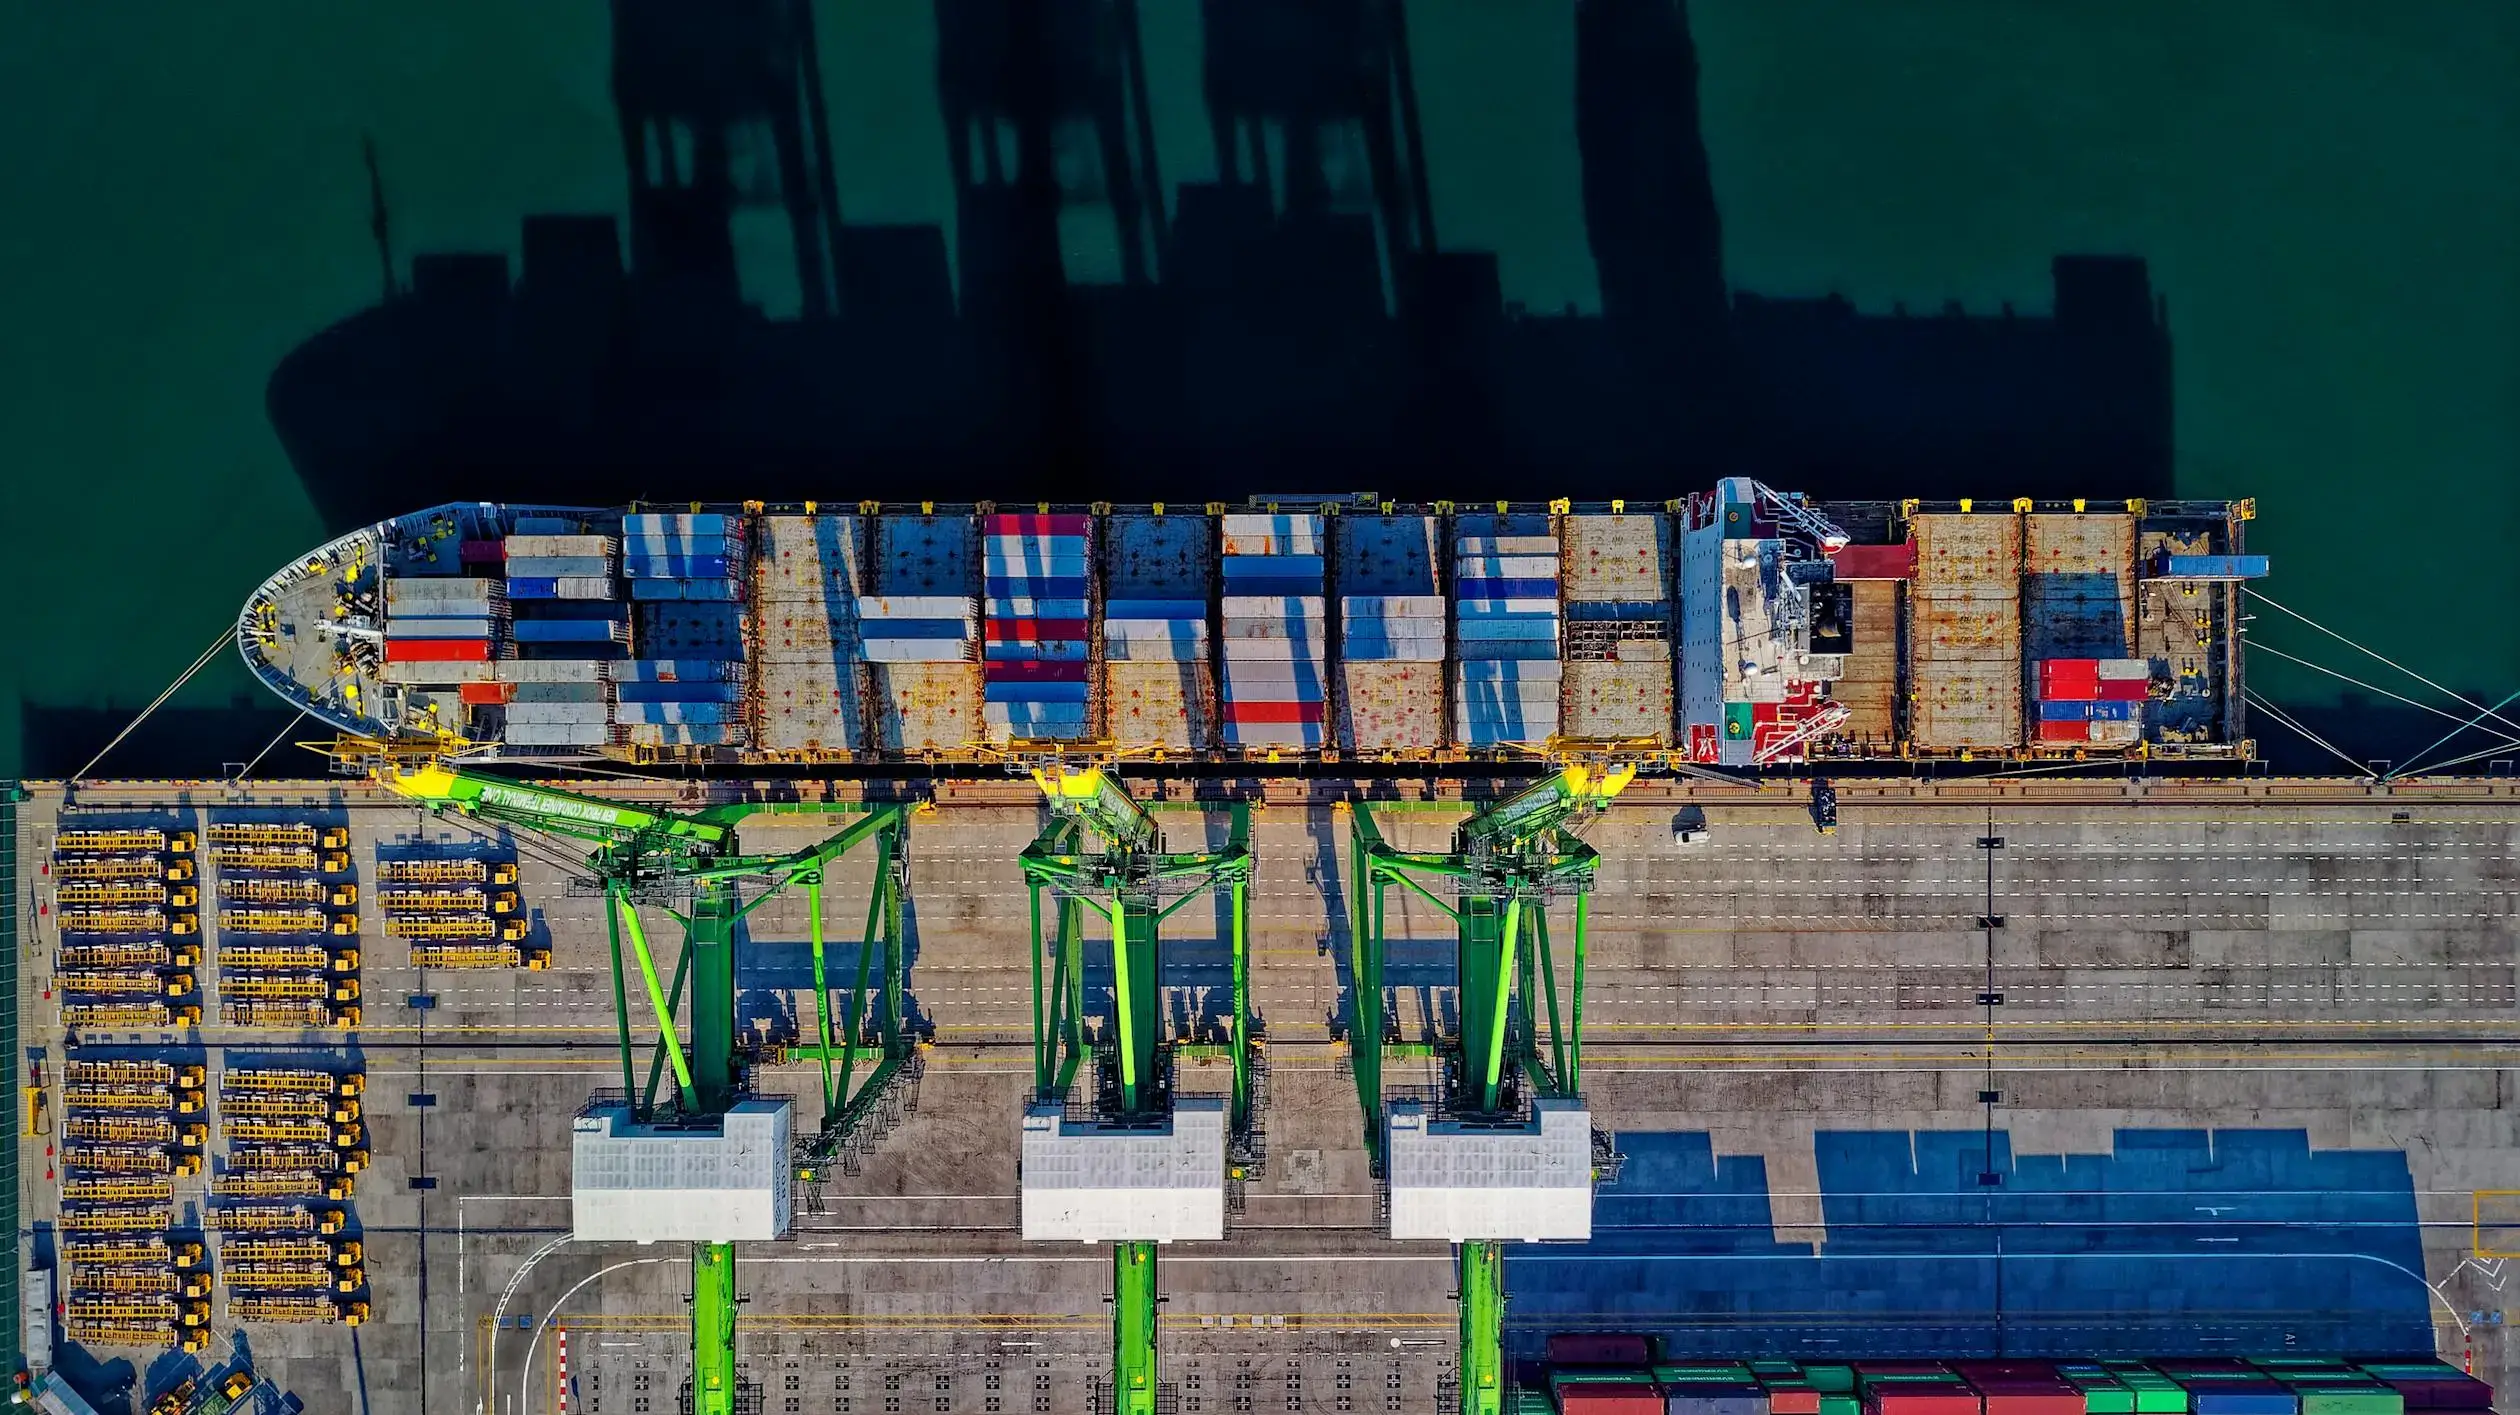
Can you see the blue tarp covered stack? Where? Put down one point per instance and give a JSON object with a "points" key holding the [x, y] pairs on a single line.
{"points": [[1036, 572], [686, 573], [1505, 603], [1276, 631]]}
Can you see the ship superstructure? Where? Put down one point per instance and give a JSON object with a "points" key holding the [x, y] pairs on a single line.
{"points": [[1739, 627]]}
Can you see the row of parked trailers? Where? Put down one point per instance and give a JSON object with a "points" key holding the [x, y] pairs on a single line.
{"points": [[1610, 1375], [125, 902], [130, 1275], [288, 1249], [288, 919], [1369, 630], [458, 912]]}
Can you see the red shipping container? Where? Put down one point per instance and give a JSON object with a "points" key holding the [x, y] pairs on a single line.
{"points": [[484, 692], [1598, 1348], [1033, 631], [481, 552], [1033, 670], [1033, 523], [437, 650], [1262, 714], [2065, 731], [2069, 679], [1588, 1398], [1876, 562], [1800, 1401], [2123, 690]]}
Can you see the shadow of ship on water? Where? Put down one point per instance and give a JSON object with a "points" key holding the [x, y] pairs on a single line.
{"points": [[1293, 324]]}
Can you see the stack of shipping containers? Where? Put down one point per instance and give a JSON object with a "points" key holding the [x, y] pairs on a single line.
{"points": [[1964, 634], [1274, 628], [920, 626], [587, 629], [1913, 1388], [1391, 634], [1594, 1372], [2184, 627], [1158, 689], [2078, 613], [1507, 672], [687, 574], [1618, 628], [807, 689], [1038, 631], [441, 637], [1875, 576]]}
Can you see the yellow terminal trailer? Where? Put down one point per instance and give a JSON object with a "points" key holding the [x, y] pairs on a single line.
{"points": [[126, 921], [183, 1254], [145, 1280], [277, 1277], [290, 1250], [188, 1076], [289, 957], [279, 835], [144, 840], [304, 1184], [307, 920], [459, 870], [452, 927], [260, 860], [127, 953], [446, 901], [114, 1220], [311, 1158], [322, 1083], [135, 1130], [306, 1015], [150, 1098], [478, 955], [121, 867], [128, 1159], [129, 1308], [129, 1015], [146, 1190], [137, 1334], [126, 983], [286, 986], [288, 1307], [292, 1132], [274, 889], [277, 1218], [287, 1105], [124, 894]]}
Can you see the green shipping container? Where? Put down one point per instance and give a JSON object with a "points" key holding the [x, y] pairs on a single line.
{"points": [[1840, 1405], [1628, 1376], [1777, 1368], [2350, 1400], [1834, 1380], [1732, 1373], [2155, 1393]]}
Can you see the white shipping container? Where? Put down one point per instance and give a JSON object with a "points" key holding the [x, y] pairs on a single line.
{"points": [[878, 650], [1543, 670], [529, 547], [1499, 608], [2125, 668], [432, 673], [1505, 545], [918, 606], [583, 587], [1505, 567], [1270, 606], [558, 712], [550, 670], [556, 734], [1417, 606], [1270, 523]]}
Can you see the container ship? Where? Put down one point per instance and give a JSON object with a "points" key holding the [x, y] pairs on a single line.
{"points": [[1737, 627]]}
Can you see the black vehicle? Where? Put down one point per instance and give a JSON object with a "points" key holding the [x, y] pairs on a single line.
{"points": [[1824, 813]]}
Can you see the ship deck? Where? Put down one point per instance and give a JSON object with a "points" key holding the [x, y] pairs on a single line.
{"points": [[2208, 989]]}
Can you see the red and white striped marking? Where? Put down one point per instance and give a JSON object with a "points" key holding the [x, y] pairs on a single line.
{"points": [[563, 1335]]}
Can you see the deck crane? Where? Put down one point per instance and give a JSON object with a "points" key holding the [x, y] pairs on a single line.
{"points": [[1103, 851], [692, 865], [1509, 1106]]}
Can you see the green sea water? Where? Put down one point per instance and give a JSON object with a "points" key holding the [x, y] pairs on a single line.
{"points": [[2327, 190]]}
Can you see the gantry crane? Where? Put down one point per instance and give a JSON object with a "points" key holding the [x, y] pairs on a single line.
{"points": [[1103, 851], [1509, 861], [692, 865]]}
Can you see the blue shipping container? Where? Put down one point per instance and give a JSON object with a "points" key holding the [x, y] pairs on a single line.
{"points": [[542, 587], [1263, 567], [676, 692], [1034, 692], [2108, 711], [2209, 567], [652, 523], [674, 567], [1024, 608], [669, 712], [676, 545], [2064, 710], [669, 670], [1155, 608], [696, 591], [564, 631]]}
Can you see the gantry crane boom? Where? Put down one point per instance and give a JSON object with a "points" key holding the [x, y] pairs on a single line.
{"points": [[1509, 860], [643, 855], [1104, 851]]}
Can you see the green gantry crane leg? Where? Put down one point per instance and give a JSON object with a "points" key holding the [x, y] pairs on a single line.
{"points": [[713, 1329], [1134, 1295], [1120, 881], [1507, 860]]}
